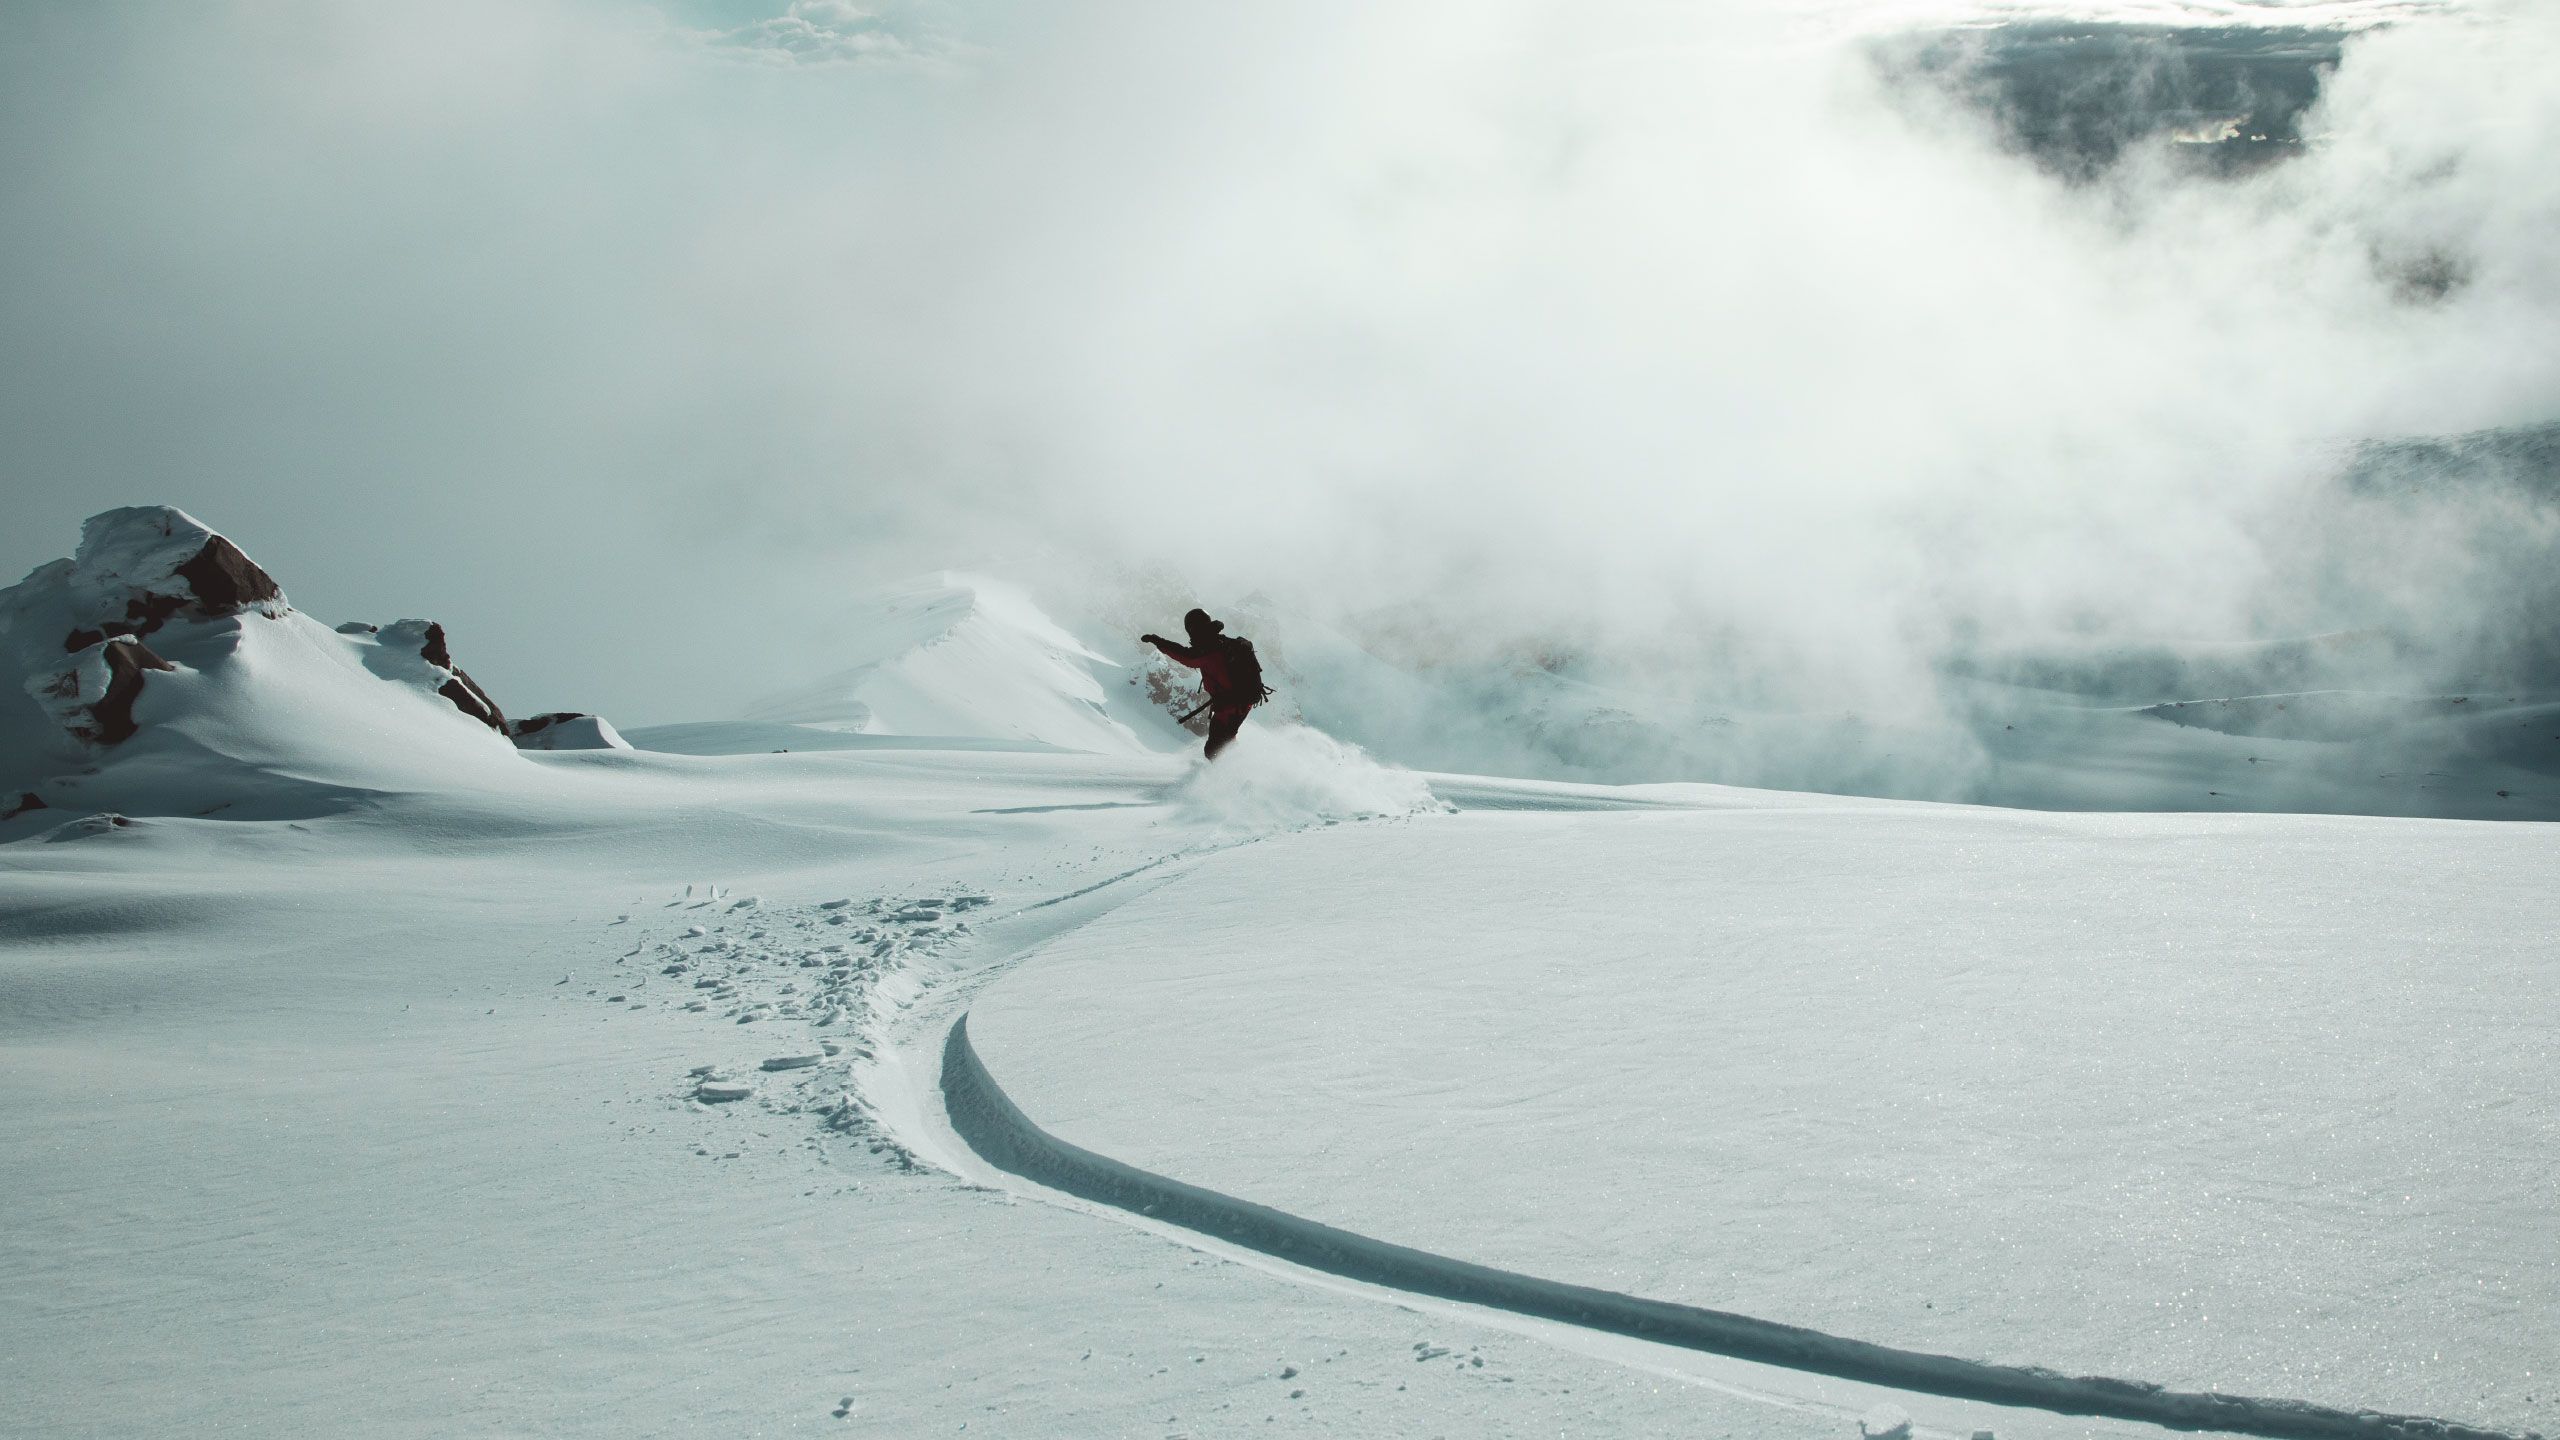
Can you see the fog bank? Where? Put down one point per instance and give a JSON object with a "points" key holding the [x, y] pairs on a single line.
{"points": [[1702, 346]]}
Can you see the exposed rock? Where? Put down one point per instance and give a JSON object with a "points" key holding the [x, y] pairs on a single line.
{"points": [[140, 566], [20, 806], [226, 581], [111, 717], [426, 640], [471, 700], [462, 690], [434, 649], [566, 730], [93, 700]]}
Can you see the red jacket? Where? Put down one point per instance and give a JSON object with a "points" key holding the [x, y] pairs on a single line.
{"points": [[1211, 661]]}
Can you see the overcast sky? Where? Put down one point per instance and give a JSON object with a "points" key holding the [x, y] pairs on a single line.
{"points": [[630, 342]]}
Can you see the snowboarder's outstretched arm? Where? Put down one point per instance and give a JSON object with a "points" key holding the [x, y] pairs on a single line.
{"points": [[1179, 654]]}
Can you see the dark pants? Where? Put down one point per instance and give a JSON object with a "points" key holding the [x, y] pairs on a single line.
{"points": [[1224, 722]]}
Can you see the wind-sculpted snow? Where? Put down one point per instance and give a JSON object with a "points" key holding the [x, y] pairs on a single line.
{"points": [[998, 1130]]}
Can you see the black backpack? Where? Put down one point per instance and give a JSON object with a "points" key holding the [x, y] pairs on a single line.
{"points": [[1244, 671]]}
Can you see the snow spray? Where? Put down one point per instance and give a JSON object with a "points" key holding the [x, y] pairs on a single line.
{"points": [[1286, 777]]}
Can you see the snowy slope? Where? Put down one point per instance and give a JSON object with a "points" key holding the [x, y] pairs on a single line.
{"points": [[963, 655], [430, 1085], [372, 1072], [2257, 1105], [387, 1122]]}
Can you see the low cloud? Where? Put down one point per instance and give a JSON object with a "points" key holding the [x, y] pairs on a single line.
{"points": [[1682, 337], [834, 32]]}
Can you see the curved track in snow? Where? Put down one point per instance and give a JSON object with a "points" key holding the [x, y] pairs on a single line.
{"points": [[988, 1121]]}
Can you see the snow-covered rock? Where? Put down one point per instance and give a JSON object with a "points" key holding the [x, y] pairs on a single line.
{"points": [[72, 661], [160, 670], [417, 653], [137, 568], [92, 698], [566, 730]]}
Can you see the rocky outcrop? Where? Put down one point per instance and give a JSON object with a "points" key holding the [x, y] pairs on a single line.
{"points": [[462, 690], [156, 620], [426, 640], [419, 652], [225, 581], [93, 699], [140, 567], [71, 633]]}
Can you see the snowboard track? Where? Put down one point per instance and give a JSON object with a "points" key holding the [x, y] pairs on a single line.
{"points": [[988, 1121]]}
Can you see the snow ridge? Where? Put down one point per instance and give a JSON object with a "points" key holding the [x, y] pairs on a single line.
{"points": [[988, 1120], [954, 654]]}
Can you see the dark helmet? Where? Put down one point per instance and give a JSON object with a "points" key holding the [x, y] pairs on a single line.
{"points": [[1201, 627]]}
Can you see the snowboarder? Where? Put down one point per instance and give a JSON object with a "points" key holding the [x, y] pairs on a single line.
{"points": [[1228, 671]]}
